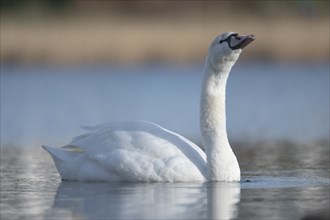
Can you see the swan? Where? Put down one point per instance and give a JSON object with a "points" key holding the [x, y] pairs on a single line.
{"points": [[142, 151]]}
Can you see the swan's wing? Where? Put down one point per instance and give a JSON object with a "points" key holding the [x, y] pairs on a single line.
{"points": [[137, 149], [132, 135]]}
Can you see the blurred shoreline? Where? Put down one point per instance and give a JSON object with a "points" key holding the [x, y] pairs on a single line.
{"points": [[108, 39]]}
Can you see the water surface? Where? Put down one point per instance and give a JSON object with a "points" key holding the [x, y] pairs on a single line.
{"points": [[265, 102], [31, 189]]}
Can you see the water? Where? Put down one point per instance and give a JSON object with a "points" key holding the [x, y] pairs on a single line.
{"points": [[290, 188], [278, 121], [265, 102]]}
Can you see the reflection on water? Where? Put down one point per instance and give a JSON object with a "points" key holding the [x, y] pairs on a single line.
{"points": [[222, 200], [152, 201], [31, 189]]}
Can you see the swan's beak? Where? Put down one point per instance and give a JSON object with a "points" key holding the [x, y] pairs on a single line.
{"points": [[241, 41]]}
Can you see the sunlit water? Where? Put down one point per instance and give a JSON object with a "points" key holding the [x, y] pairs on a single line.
{"points": [[278, 119]]}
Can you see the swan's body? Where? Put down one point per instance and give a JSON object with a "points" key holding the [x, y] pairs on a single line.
{"points": [[146, 152], [131, 151]]}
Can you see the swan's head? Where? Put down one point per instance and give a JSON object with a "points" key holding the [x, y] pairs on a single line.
{"points": [[226, 47]]}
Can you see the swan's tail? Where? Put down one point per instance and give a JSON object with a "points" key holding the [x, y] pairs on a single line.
{"points": [[60, 154]]}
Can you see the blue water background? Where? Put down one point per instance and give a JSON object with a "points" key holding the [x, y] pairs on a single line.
{"points": [[265, 102]]}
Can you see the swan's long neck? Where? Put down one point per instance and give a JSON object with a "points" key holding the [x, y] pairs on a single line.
{"points": [[222, 164]]}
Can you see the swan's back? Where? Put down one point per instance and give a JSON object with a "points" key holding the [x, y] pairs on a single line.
{"points": [[131, 151]]}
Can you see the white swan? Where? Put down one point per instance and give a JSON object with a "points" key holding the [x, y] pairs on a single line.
{"points": [[146, 152]]}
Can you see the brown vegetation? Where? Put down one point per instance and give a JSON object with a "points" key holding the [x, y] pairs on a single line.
{"points": [[153, 34]]}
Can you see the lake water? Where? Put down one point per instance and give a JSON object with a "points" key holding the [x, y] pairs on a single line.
{"points": [[265, 102], [282, 182], [278, 121]]}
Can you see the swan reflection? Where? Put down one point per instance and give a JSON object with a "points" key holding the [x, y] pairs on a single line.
{"points": [[160, 200], [222, 200]]}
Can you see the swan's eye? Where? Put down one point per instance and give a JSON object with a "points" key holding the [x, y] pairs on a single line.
{"points": [[228, 39]]}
